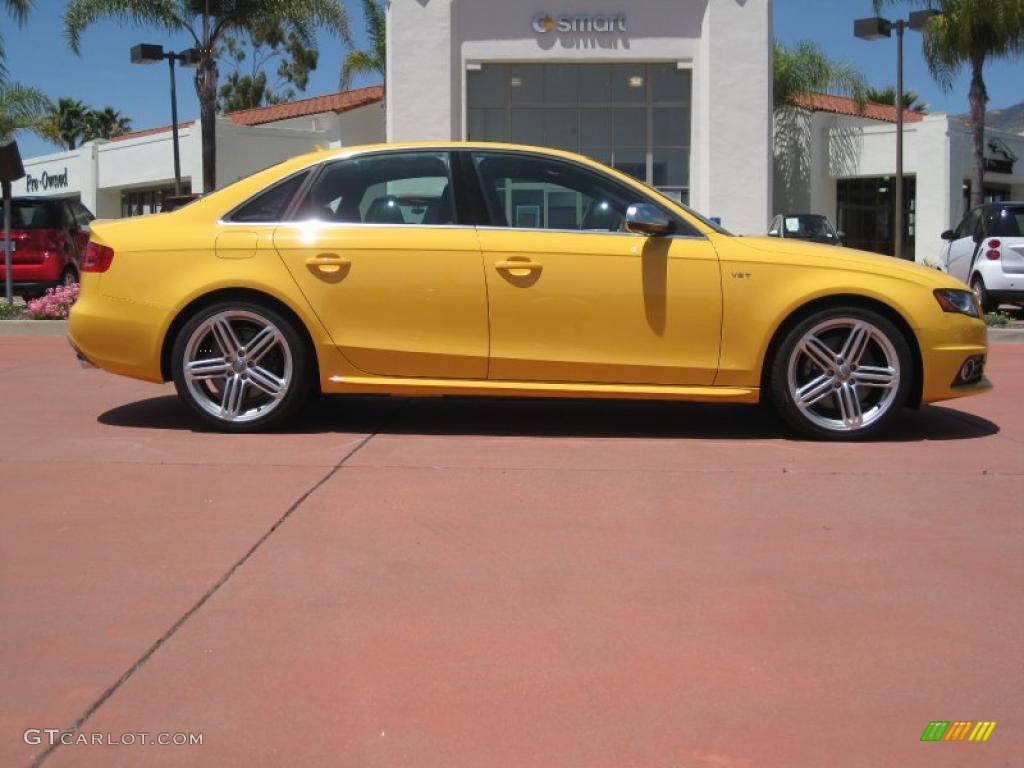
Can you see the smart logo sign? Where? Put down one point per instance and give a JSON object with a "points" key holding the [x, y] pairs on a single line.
{"points": [[579, 23]]}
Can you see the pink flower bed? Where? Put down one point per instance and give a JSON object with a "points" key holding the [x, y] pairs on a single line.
{"points": [[54, 305]]}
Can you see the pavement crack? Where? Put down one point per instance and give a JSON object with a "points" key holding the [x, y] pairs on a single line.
{"points": [[183, 619]]}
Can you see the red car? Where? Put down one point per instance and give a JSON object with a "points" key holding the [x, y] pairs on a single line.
{"points": [[49, 236]]}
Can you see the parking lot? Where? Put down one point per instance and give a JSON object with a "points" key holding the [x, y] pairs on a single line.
{"points": [[462, 583]]}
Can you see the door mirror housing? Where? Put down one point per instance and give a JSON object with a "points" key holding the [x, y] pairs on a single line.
{"points": [[947, 235], [646, 219]]}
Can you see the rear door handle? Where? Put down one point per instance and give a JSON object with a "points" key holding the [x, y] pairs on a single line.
{"points": [[328, 263]]}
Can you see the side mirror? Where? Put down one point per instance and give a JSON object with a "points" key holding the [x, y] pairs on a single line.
{"points": [[645, 219], [947, 235]]}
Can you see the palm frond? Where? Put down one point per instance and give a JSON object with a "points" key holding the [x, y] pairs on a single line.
{"points": [[357, 63], [376, 27], [169, 15], [23, 108], [18, 9]]}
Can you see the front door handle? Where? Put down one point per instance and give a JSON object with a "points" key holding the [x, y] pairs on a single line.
{"points": [[519, 267], [328, 263]]}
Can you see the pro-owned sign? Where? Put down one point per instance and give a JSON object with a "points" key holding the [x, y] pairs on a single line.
{"points": [[46, 181]]}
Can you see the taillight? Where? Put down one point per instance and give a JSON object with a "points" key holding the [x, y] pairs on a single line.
{"points": [[992, 254], [97, 258]]}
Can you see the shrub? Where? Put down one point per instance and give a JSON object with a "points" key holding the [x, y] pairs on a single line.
{"points": [[9, 312], [54, 304], [997, 319]]}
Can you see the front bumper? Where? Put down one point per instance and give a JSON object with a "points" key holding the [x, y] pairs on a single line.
{"points": [[945, 351]]}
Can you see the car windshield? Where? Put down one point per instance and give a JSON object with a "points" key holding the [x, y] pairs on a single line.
{"points": [[809, 226], [34, 214]]}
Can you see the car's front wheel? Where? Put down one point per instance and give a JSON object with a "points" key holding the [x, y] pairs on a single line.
{"points": [[841, 374], [241, 367]]}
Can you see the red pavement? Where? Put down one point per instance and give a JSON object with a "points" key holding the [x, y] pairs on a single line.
{"points": [[504, 583]]}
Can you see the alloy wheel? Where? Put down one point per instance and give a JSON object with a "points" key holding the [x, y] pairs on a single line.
{"points": [[844, 374], [237, 366]]}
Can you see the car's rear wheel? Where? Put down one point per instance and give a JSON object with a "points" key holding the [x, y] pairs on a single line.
{"points": [[841, 374], [241, 367], [978, 286], [68, 277]]}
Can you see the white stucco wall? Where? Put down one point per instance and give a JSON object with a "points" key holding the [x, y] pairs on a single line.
{"points": [[242, 150], [727, 43], [936, 150]]}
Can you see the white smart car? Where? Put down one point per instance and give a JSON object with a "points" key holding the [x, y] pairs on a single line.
{"points": [[987, 252]]}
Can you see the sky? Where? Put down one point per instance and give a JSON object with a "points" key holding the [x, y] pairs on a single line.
{"points": [[38, 55]]}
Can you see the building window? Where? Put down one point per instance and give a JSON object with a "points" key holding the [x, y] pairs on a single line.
{"points": [[137, 202], [633, 117], [866, 208]]}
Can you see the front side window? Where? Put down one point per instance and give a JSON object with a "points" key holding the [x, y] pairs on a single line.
{"points": [[529, 192], [391, 188]]}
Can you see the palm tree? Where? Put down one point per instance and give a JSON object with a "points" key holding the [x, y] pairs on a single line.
{"points": [[805, 67], [19, 10], [887, 95], [362, 62], [971, 33], [207, 22], [68, 122], [106, 123]]}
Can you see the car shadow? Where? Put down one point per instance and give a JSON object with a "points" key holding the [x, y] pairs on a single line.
{"points": [[548, 418]]}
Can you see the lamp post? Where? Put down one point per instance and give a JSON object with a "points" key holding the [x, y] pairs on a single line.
{"points": [[876, 28], [146, 53]]}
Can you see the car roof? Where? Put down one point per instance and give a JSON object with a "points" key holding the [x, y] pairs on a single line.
{"points": [[40, 199]]}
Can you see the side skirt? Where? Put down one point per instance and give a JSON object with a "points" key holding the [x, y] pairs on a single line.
{"points": [[436, 387]]}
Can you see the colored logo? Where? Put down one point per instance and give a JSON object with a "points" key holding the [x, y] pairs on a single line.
{"points": [[543, 23], [959, 730], [579, 23]]}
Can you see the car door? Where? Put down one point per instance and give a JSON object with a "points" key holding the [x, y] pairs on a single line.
{"points": [[573, 298], [379, 253], [963, 246]]}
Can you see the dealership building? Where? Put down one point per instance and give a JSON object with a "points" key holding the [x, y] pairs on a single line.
{"points": [[675, 92]]}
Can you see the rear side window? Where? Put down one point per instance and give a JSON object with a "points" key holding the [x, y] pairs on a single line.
{"points": [[35, 214], [270, 206]]}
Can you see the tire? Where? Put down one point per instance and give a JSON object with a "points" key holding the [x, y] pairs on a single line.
{"points": [[978, 286], [68, 276], [821, 394], [241, 367]]}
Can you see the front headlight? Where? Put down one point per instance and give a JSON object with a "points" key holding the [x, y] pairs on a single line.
{"points": [[961, 302]]}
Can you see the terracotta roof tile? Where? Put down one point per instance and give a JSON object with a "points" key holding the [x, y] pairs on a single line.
{"points": [[315, 105], [334, 102], [840, 105]]}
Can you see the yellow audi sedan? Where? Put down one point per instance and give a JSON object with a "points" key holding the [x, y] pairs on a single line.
{"points": [[490, 269]]}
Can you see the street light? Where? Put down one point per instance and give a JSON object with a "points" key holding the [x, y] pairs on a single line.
{"points": [[877, 28], [146, 53]]}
